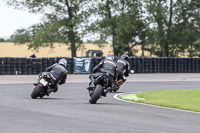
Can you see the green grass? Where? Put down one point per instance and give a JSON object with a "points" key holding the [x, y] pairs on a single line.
{"points": [[180, 99]]}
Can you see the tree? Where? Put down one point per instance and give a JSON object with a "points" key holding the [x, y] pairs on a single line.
{"points": [[2, 40], [186, 28], [160, 16], [130, 27], [174, 24], [120, 22], [62, 22], [105, 23]]}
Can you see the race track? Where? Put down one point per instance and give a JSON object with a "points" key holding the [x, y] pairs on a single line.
{"points": [[68, 110]]}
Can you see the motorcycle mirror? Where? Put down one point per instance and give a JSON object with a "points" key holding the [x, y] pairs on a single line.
{"points": [[132, 71]]}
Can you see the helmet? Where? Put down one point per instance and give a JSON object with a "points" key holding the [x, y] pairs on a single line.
{"points": [[124, 56], [63, 62], [109, 57]]}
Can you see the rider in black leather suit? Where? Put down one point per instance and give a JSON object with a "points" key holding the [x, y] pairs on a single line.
{"points": [[58, 73], [105, 66], [123, 67]]}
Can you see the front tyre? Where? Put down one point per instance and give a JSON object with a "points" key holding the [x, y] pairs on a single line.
{"points": [[116, 88], [96, 94], [36, 92]]}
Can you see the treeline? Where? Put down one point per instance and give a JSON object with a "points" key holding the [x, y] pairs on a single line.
{"points": [[5, 40], [165, 28]]}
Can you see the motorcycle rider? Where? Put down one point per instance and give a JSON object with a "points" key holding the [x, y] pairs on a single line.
{"points": [[107, 65], [123, 68], [58, 73]]}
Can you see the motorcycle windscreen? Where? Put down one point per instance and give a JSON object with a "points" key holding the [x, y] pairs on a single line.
{"points": [[43, 82]]}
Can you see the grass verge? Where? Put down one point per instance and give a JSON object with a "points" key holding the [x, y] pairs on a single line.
{"points": [[180, 99]]}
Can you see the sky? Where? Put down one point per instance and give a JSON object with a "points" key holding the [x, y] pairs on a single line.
{"points": [[12, 19]]}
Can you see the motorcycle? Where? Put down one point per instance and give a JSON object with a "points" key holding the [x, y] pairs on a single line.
{"points": [[43, 87], [100, 87], [116, 85]]}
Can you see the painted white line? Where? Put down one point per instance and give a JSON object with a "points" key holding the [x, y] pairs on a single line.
{"points": [[116, 96]]}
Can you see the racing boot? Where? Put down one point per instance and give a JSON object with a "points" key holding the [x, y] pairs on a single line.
{"points": [[55, 88]]}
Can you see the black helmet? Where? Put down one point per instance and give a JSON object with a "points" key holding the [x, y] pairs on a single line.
{"points": [[109, 57], [124, 56], [63, 62]]}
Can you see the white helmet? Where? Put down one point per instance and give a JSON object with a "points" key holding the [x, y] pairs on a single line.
{"points": [[125, 57], [63, 62], [109, 57]]}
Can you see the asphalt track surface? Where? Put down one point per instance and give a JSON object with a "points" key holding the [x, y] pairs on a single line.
{"points": [[68, 110]]}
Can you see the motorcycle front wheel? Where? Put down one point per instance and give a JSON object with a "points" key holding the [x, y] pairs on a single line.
{"points": [[36, 92], [116, 88], [96, 94]]}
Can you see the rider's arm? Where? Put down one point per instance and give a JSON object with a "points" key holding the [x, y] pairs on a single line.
{"points": [[127, 70], [96, 68], [116, 73], [48, 69], [63, 80]]}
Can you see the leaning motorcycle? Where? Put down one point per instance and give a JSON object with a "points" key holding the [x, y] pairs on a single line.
{"points": [[116, 85], [43, 87], [100, 87]]}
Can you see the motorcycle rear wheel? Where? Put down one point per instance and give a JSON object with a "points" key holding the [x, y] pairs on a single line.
{"points": [[96, 94], [36, 92]]}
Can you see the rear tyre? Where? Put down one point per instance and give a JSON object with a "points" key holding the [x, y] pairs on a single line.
{"points": [[36, 92], [96, 95]]}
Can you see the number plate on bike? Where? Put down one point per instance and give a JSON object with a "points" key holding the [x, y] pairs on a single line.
{"points": [[44, 82]]}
